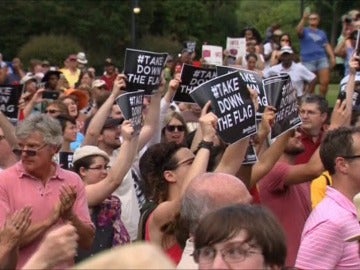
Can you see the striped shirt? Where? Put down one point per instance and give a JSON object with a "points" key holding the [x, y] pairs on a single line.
{"points": [[323, 244]]}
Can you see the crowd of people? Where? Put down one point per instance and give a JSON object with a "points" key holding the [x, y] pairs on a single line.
{"points": [[175, 184]]}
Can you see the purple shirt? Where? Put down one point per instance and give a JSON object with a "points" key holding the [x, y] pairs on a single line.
{"points": [[323, 244], [19, 189], [312, 43]]}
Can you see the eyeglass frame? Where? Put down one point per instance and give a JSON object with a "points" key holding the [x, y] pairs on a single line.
{"points": [[351, 157], [28, 152], [224, 252], [107, 167], [51, 111]]}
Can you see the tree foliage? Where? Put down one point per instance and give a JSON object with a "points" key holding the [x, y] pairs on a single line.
{"points": [[103, 28]]}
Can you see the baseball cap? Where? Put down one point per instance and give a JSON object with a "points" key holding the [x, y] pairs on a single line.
{"points": [[109, 62], [81, 58], [98, 83], [89, 150], [112, 122], [286, 49]]}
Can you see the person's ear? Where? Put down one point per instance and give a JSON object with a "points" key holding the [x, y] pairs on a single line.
{"points": [[169, 176], [82, 172], [341, 165]]}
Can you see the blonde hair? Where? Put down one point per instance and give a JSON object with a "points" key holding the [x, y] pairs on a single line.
{"points": [[127, 257]]}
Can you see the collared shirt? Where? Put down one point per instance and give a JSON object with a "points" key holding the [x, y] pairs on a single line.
{"points": [[297, 72], [19, 189], [310, 147], [323, 244]]}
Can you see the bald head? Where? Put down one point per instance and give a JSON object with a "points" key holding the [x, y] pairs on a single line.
{"points": [[210, 191]]}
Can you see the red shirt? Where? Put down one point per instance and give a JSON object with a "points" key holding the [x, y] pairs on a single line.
{"points": [[310, 147], [109, 80]]}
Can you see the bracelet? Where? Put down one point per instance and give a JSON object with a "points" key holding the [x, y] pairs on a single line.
{"points": [[206, 145]]}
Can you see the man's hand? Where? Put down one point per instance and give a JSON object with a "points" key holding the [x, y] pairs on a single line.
{"points": [[67, 198], [15, 226], [59, 245], [127, 130], [119, 84]]}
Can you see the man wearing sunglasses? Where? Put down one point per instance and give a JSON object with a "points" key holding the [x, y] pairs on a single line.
{"points": [[56, 196]]}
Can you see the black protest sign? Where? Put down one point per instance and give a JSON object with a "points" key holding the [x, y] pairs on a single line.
{"points": [[250, 156], [282, 95], [9, 100], [253, 80], [65, 160], [143, 70], [231, 103], [131, 105], [192, 77]]}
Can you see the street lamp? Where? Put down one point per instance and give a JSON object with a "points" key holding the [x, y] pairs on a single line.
{"points": [[135, 11]]}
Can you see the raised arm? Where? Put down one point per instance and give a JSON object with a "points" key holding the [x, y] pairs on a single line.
{"points": [[97, 122], [35, 99], [166, 211], [8, 130], [96, 193], [301, 24], [151, 122]]}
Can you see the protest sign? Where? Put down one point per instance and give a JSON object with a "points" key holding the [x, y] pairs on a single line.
{"points": [[252, 80], [213, 55], [192, 77], [143, 70], [231, 103], [131, 105], [65, 160], [250, 156], [356, 94], [9, 100], [190, 45], [236, 46], [282, 95]]}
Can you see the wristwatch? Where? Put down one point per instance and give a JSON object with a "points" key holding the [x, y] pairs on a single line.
{"points": [[206, 145]]}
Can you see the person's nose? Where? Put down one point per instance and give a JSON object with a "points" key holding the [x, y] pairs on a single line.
{"points": [[219, 262]]}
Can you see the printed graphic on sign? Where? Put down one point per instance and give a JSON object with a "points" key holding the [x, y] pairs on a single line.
{"points": [[192, 77], [236, 46], [252, 80], [282, 95], [9, 100], [250, 156], [65, 160], [231, 103], [131, 105], [213, 55], [143, 70]]}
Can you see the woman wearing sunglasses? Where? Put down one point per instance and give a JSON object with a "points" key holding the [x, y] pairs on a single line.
{"points": [[175, 128], [91, 163]]}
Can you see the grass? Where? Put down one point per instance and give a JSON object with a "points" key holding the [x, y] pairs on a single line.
{"points": [[332, 94]]}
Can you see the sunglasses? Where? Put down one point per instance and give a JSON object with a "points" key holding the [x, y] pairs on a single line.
{"points": [[172, 128], [51, 111], [28, 152]]}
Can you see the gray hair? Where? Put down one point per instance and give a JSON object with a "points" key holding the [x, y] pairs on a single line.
{"points": [[49, 127]]}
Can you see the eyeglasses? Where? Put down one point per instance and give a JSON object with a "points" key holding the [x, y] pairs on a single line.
{"points": [[233, 253], [188, 161], [28, 152], [285, 40], [100, 168], [351, 157], [172, 128], [51, 111]]}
